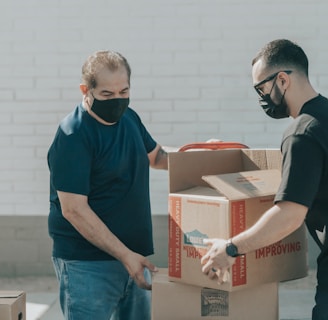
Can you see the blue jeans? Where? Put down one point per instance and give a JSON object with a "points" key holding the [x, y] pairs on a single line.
{"points": [[101, 290]]}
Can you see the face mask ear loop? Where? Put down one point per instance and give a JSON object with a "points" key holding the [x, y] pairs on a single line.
{"points": [[274, 83], [283, 96]]}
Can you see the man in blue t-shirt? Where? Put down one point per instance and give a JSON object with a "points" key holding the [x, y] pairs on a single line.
{"points": [[280, 76], [100, 219]]}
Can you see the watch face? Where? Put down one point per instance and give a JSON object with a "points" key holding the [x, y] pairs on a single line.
{"points": [[232, 250]]}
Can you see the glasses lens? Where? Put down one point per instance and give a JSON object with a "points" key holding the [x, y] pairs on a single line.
{"points": [[260, 91]]}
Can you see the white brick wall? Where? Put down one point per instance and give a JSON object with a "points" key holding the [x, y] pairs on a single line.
{"points": [[191, 75]]}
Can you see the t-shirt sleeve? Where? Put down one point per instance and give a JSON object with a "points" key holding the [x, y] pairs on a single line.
{"points": [[301, 170], [148, 141], [69, 160]]}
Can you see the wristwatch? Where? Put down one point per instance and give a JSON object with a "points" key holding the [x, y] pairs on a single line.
{"points": [[232, 250]]}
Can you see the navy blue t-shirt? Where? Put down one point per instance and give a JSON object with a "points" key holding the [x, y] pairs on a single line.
{"points": [[109, 164]]}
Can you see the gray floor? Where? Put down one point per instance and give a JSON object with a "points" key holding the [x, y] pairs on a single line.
{"points": [[295, 297]]}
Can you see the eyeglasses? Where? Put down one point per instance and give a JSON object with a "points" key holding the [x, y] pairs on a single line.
{"points": [[269, 78]]}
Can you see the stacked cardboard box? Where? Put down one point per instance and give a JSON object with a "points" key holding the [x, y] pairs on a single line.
{"points": [[177, 301], [218, 194], [12, 305]]}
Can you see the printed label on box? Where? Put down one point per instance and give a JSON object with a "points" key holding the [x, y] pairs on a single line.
{"points": [[281, 247], [195, 238], [238, 224], [214, 303], [175, 237]]}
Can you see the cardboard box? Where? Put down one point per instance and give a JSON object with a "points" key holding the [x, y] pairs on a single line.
{"points": [[176, 301], [12, 305], [203, 205]]}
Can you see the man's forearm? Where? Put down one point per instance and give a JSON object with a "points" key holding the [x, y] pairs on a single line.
{"points": [[275, 224], [88, 224], [77, 211]]}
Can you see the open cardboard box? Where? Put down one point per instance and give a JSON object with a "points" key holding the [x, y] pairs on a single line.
{"points": [[218, 194], [171, 300]]}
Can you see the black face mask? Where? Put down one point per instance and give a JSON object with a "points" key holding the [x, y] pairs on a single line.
{"points": [[276, 111], [110, 110]]}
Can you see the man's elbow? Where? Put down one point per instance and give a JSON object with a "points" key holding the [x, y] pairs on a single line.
{"points": [[160, 159], [296, 212], [69, 213]]}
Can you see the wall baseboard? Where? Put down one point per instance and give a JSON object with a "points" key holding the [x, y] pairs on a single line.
{"points": [[25, 246]]}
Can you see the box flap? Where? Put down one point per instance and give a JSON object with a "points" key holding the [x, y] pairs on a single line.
{"points": [[201, 192], [254, 159], [187, 168], [10, 294], [247, 184]]}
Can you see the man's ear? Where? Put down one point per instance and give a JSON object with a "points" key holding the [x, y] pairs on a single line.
{"points": [[83, 88], [284, 79]]}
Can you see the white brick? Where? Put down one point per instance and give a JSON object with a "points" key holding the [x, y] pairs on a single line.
{"points": [[6, 95], [45, 107], [38, 94], [11, 152], [141, 93], [15, 60], [16, 197], [20, 175], [178, 93], [173, 116], [15, 82], [46, 129], [7, 209], [191, 128], [201, 105], [153, 105], [175, 70], [5, 141], [74, 95], [55, 82], [172, 45], [16, 130], [31, 141], [34, 118]]}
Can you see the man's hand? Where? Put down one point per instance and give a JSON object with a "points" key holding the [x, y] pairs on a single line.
{"points": [[135, 265], [216, 262]]}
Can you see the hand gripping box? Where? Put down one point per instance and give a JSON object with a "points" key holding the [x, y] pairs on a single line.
{"points": [[12, 305], [218, 194], [172, 300]]}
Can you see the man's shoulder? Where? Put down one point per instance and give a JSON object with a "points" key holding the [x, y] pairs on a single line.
{"points": [[316, 108], [72, 122], [131, 113]]}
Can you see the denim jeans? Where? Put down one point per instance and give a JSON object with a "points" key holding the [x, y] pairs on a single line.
{"points": [[101, 290]]}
